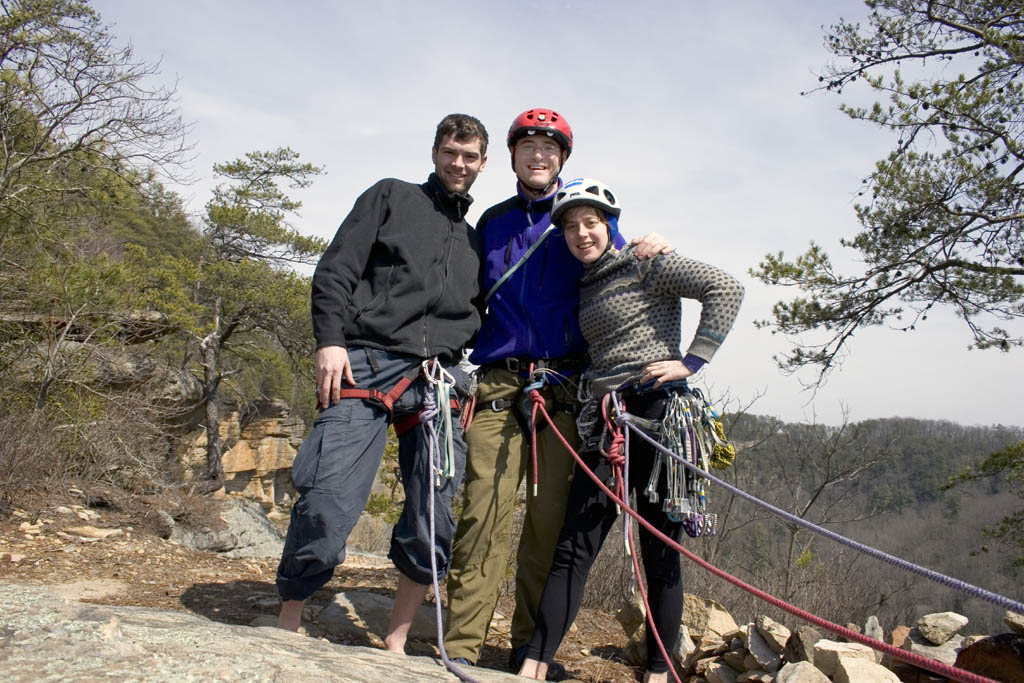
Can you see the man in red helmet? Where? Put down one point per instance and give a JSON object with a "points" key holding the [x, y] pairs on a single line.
{"points": [[529, 334]]}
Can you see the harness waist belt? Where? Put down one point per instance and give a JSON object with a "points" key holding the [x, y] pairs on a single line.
{"points": [[500, 404], [517, 365]]}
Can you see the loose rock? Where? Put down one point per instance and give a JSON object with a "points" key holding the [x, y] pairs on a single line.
{"points": [[800, 672], [939, 628]]}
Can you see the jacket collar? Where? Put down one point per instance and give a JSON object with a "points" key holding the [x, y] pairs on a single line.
{"points": [[607, 262], [542, 203], [459, 203]]}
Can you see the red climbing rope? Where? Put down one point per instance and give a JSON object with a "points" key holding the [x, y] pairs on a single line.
{"points": [[917, 660]]}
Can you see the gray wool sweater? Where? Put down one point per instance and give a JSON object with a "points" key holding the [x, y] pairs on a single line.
{"points": [[631, 313]]}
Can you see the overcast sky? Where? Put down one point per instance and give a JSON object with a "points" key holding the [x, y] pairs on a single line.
{"points": [[690, 110]]}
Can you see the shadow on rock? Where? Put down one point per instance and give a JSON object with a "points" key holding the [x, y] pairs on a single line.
{"points": [[232, 602]]}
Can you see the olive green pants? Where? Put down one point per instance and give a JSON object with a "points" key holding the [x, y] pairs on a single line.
{"points": [[499, 458]]}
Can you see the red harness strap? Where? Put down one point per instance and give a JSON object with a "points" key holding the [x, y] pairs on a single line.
{"points": [[385, 400], [407, 422]]}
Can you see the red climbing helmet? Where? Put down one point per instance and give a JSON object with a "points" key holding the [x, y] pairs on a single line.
{"points": [[546, 121]]}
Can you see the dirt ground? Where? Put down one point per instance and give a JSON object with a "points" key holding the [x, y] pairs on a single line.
{"points": [[109, 550]]}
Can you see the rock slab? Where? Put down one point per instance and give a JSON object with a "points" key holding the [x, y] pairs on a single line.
{"points": [[44, 639]]}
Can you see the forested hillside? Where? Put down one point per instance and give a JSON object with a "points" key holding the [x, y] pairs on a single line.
{"points": [[878, 482], [124, 322]]}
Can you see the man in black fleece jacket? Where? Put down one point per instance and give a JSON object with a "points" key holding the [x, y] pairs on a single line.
{"points": [[395, 287]]}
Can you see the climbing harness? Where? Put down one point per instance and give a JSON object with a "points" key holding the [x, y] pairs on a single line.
{"points": [[689, 430], [385, 400], [532, 399]]}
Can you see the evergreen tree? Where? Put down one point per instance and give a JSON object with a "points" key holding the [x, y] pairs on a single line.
{"points": [[240, 299], [943, 221]]}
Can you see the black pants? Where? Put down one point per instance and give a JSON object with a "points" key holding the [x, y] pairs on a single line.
{"points": [[589, 517]]}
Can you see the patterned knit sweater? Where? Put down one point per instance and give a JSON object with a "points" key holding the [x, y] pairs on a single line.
{"points": [[630, 312]]}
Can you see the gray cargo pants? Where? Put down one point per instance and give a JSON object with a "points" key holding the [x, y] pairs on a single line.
{"points": [[335, 469]]}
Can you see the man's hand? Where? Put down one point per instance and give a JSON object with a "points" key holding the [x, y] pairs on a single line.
{"points": [[331, 365], [650, 245], [665, 371]]}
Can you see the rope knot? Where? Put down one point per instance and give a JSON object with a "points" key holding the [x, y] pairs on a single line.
{"points": [[537, 399], [429, 410], [616, 449]]}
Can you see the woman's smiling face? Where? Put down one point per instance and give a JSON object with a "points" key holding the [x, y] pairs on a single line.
{"points": [[586, 233]]}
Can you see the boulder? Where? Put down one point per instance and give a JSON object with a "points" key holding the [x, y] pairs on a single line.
{"points": [[800, 672], [761, 650], [828, 652], [684, 646], [246, 533], [632, 617], [872, 629], [945, 653], [998, 657], [774, 633], [1014, 621], [719, 672], [900, 635], [860, 670], [800, 645], [735, 658], [702, 616], [940, 627]]}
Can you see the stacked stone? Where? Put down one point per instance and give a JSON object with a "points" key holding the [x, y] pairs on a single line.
{"points": [[714, 649]]}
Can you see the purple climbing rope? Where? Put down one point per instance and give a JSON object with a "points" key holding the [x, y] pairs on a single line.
{"points": [[427, 415], [948, 581]]}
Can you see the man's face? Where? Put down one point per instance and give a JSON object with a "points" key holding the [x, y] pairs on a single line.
{"points": [[457, 163], [537, 161], [585, 232]]}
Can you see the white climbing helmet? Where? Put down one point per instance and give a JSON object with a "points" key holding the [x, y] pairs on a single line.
{"points": [[584, 192]]}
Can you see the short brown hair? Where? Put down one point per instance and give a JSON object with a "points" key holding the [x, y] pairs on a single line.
{"points": [[461, 127]]}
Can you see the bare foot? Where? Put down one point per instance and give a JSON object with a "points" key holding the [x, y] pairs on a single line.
{"points": [[651, 677], [408, 597], [290, 617], [395, 643], [534, 669]]}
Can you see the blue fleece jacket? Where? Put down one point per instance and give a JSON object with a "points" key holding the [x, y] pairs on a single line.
{"points": [[534, 314]]}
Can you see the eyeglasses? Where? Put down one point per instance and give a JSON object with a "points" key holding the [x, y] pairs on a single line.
{"points": [[544, 147]]}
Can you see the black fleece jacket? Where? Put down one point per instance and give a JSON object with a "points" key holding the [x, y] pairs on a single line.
{"points": [[401, 274]]}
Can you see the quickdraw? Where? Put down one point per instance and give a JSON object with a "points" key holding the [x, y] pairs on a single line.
{"points": [[441, 383], [690, 428]]}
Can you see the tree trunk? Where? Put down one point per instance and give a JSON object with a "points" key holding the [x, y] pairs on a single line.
{"points": [[211, 355]]}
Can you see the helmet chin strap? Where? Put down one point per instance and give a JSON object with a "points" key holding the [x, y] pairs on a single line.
{"points": [[544, 191]]}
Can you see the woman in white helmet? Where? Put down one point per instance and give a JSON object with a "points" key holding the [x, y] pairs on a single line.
{"points": [[630, 315]]}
